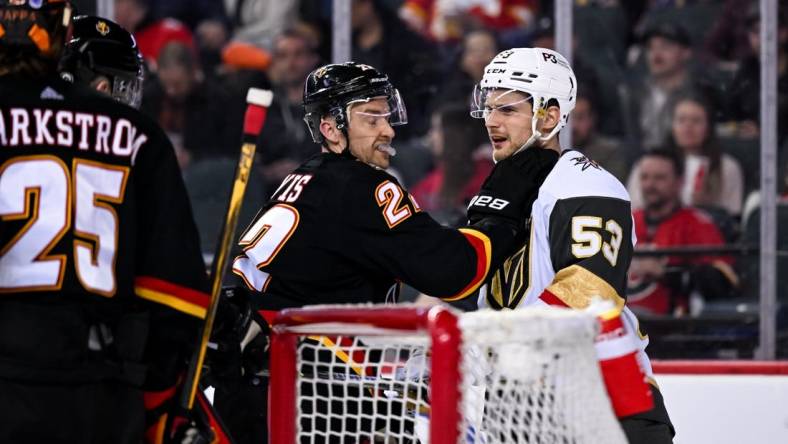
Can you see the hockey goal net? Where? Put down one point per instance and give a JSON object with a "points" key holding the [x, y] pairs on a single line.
{"points": [[394, 374]]}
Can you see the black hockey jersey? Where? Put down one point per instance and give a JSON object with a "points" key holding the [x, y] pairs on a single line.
{"points": [[96, 225], [340, 231]]}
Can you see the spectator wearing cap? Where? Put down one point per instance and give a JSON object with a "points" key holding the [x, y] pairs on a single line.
{"points": [[645, 99], [668, 53]]}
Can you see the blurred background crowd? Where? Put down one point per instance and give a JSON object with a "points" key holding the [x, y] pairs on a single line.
{"points": [[668, 101]]}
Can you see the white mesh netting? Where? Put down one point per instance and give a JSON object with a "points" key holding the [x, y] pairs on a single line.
{"points": [[528, 376], [531, 376], [356, 389]]}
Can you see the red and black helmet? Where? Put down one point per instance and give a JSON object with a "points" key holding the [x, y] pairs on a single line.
{"points": [[34, 27]]}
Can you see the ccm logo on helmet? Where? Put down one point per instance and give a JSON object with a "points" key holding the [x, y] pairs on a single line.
{"points": [[496, 70], [488, 201]]}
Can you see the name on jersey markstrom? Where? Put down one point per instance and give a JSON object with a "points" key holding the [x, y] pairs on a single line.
{"points": [[92, 132]]}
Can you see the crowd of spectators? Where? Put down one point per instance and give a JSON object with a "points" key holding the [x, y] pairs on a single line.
{"points": [[675, 78]]}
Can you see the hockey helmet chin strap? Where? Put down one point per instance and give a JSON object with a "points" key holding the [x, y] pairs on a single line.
{"points": [[539, 112]]}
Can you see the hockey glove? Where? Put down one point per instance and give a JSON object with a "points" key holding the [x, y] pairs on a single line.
{"points": [[512, 187], [238, 332]]}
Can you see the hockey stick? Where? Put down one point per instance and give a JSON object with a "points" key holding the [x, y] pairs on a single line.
{"points": [[258, 101]]}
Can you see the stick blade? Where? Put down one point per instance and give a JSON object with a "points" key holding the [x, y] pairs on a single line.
{"points": [[260, 97]]}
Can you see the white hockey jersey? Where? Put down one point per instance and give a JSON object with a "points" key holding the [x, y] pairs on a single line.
{"points": [[580, 245]]}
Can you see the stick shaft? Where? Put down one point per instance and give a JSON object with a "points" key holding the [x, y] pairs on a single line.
{"points": [[255, 117]]}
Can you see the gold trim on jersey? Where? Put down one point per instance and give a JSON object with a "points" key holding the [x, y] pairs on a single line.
{"points": [[575, 286]]}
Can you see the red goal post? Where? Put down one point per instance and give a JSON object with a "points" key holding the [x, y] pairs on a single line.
{"points": [[514, 376]]}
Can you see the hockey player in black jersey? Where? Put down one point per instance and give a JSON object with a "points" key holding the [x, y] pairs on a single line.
{"points": [[580, 238], [102, 284], [105, 56], [340, 229]]}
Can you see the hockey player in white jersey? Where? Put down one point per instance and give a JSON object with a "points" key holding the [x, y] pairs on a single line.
{"points": [[581, 228]]}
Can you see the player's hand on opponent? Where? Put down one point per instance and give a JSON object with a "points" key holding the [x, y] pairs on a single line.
{"points": [[512, 187]]}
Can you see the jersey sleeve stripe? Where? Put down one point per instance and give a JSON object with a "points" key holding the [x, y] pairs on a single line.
{"points": [[153, 399], [183, 299], [481, 244], [551, 299], [575, 286]]}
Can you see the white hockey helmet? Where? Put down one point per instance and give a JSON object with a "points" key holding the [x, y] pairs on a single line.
{"points": [[541, 73]]}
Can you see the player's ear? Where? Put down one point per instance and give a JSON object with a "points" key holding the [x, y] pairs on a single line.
{"points": [[551, 118], [328, 128], [102, 85]]}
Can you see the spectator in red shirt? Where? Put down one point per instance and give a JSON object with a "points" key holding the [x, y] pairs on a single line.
{"points": [[663, 285]]}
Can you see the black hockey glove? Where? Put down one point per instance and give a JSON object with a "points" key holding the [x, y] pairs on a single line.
{"points": [[512, 187], [239, 341]]}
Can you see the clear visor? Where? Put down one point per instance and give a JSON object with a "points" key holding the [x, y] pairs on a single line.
{"points": [[395, 114], [486, 101], [128, 90]]}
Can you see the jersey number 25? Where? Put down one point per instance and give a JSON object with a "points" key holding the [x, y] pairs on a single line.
{"points": [[60, 196]]}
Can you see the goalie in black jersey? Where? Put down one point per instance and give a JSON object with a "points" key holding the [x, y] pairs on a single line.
{"points": [[340, 229], [580, 237], [102, 283]]}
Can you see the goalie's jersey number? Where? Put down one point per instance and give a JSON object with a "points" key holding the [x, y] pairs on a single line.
{"points": [[52, 198]]}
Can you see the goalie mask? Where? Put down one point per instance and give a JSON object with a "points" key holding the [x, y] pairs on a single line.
{"points": [[33, 28], [541, 74], [101, 47], [331, 89]]}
